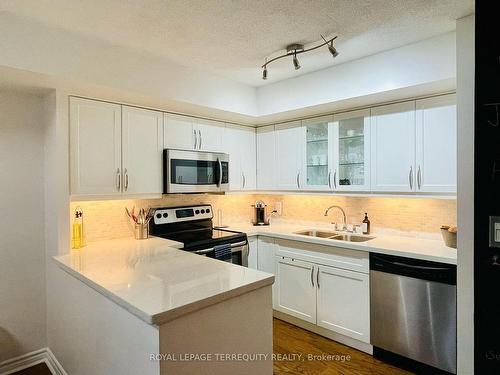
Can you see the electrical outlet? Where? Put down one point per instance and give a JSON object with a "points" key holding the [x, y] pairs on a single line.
{"points": [[278, 206]]}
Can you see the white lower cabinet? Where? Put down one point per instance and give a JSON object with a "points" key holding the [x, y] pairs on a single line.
{"points": [[266, 250], [336, 298], [252, 253], [295, 289], [343, 302]]}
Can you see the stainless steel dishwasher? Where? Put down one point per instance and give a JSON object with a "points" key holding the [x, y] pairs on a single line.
{"points": [[413, 310]]}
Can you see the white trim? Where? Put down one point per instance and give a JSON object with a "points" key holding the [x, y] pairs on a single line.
{"points": [[412, 195], [27, 360]]}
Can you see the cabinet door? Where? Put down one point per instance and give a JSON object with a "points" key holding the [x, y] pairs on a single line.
{"points": [[142, 149], [436, 144], [232, 146], [210, 135], [351, 149], [393, 147], [266, 158], [289, 151], [239, 143], [318, 161], [266, 253], [179, 132], [266, 259], [295, 290], [343, 301], [253, 253], [95, 147], [249, 159]]}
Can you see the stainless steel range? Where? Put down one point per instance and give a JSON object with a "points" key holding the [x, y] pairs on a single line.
{"points": [[193, 226]]}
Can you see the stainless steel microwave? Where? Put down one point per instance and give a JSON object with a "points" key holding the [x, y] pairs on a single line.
{"points": [[194, 171]]}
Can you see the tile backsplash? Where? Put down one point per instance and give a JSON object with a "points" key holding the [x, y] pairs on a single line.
{"points": [[107, 219]]}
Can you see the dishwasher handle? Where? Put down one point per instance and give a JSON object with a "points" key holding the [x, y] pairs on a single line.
{"points": [[415, 268]]}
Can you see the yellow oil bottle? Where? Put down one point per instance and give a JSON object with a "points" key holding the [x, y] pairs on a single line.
{"points": [[78, 235]]}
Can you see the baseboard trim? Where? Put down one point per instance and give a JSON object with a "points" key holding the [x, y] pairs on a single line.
{"points": [[24, 361], [353, 343]]}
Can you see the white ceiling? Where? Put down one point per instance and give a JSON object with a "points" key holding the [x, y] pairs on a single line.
{"points": [[233, 37]]}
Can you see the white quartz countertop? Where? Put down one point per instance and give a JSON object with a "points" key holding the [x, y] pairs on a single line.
{"points": [[405, 246], [154, 280]]}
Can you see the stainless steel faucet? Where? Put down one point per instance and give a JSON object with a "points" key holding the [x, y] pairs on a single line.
{"points": [[343, 214]]}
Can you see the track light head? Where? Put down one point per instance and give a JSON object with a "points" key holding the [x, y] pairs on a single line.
{"points": [[333, 50], [296, 62], [264, 73]]}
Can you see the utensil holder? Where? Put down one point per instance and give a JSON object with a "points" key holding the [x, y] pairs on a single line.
{"points": [[449, 238], [141, 231]]}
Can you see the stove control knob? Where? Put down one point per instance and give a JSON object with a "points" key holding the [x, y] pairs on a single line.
{"points": [[165, 215], [208, 210], [158, 216], [202, 211], [197, 212]]}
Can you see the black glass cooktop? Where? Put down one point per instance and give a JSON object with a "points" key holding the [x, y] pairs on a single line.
{"points": [[202, 238]]}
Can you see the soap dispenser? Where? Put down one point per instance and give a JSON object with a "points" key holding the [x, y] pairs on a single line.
{"points": [[366, 224]]}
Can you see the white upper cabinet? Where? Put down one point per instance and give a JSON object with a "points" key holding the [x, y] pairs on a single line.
{"points": [[436, 147], [351, 151], [239, 143], [210, 135], [318, 163], [343, 303], [295, 288], [180, 132], [142, 149], [393, 148], [290, 155], [189, 133], [266, 158], [95, 147]]}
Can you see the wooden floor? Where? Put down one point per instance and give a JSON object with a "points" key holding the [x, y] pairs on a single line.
{"points": [[289, 339], [40, 369]]}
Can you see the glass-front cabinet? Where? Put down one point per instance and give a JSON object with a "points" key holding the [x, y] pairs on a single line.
{"points": [[351, 151], [318, 153]]}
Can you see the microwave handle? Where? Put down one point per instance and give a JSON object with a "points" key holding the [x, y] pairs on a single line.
{"points": [[219, 179]]}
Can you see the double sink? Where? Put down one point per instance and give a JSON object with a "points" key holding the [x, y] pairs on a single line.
{"points": [[334, 235]]}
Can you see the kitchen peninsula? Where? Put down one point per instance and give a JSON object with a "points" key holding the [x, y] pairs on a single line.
{"points": [[149, 305]]}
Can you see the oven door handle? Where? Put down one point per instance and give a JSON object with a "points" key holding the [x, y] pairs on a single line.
{"points": [[233, 246]]}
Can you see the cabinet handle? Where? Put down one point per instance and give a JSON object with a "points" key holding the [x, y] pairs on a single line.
{"points": [[125, 182], [312, 276], [410, 178], [419, 178], [298, 179], [244, 180], [199, 133], [317, 278], [329, 179], [195, 139], [335, 179], [118, 179]]}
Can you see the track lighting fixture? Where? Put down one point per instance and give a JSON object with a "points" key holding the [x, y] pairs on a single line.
{"points": [[295, 49]]}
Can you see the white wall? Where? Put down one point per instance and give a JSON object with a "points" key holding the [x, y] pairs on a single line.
{"points": [[22, 240], [427, 66], [424, 62], [38, 48], [465, 196]]}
